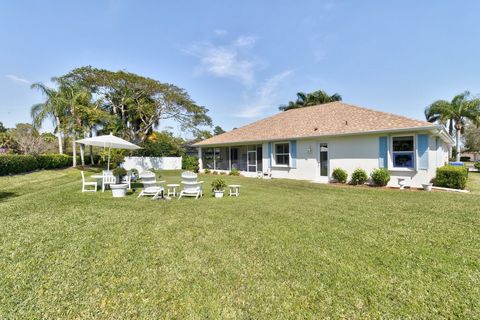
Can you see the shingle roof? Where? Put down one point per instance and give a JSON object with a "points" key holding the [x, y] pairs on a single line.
{"points": [[322, 120]]}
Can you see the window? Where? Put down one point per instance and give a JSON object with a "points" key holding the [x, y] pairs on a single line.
{"points": [[403, 152], [282, 154]]}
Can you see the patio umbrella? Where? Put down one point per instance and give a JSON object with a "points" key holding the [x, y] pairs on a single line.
{"points": [[108, 141]]}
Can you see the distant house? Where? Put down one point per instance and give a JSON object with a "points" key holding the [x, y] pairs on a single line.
{"points": [[308, 143]]}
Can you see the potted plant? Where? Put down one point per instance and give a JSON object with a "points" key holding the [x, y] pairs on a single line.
{"points": [[119, 189], [218, 187]]}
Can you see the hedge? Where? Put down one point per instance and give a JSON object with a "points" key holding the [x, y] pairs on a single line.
{"points": [[451, 177], [16, 163]]}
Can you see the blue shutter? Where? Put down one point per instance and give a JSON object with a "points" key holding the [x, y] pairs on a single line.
{"points": [[269, 154], [422, 140], [383, 152], [293, 154]]}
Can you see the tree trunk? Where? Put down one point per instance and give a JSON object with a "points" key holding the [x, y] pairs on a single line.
{"points": [[457, 143], [74, 153], [91, 155], [82, 153], [59, 132]]}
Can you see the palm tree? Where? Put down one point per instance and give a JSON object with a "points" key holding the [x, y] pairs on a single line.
{"points": [[455, 114], [310, 99], [50, 108]]}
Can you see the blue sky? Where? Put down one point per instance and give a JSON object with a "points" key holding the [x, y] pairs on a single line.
{"points": [[241, 59]]}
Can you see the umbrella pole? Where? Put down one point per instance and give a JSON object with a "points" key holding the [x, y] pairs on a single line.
{"points": [[108, 165]]}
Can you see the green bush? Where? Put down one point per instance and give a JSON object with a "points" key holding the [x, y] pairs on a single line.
{"points": [[215, 172], [190, 163], [477, 165], [235, 172], [15, 163], [359, 176], [340, 175], [451, 177], [218, 185], [380, 176], [222, 173], [54, 161], [207, 171]]}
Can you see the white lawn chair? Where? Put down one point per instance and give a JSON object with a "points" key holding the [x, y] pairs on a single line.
{"points": [[191, 187], [128, 179], [107, 179], [86, 184], [150, 187]]}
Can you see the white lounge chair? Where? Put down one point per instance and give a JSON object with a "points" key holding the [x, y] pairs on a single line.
{"points": [[150, 187], [86, 184], [191, 187], [107, 179]]}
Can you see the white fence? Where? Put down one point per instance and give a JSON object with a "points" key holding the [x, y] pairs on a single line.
{"points": [[162, 163]]}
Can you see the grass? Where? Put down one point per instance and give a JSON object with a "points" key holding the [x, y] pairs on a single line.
{"points": [[283, 249]]}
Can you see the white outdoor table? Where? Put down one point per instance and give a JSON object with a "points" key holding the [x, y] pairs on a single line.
{"points": [[98, 177], [234, 190], [172, 189]]}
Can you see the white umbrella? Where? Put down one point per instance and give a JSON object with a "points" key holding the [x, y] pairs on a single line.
{"points": [[108, 141]]}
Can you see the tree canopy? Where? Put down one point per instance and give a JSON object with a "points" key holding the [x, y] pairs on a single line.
{"points": [[310, 99], [137, 104]]}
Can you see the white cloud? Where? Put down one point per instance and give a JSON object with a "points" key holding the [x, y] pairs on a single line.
{"points": [[18, 79], [221, 32], [265, 96], [244, 41], [226, 61]]}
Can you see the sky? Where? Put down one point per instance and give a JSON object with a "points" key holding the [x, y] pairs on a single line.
{"points": [[242, 59]]}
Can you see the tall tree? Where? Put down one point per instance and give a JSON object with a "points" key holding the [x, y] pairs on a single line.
{"points": [[310, 99], [218, 130], [471, 137], [2, 128], [50, 108], [138, 104], [455, 114], [27, 140]]}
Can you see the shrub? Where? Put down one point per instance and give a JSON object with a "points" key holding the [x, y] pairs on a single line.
{"points": [[222, 173], [214, 172], [207, 171], [54, 161], [477, 165], [359, 176], [190, 163], [235, 172], [465, 159], [451, 177], [15, 163], [340, 175], [380, 176], [218, 185]]}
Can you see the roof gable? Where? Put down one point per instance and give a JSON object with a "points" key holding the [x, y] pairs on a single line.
{"points": [[333, 118]]}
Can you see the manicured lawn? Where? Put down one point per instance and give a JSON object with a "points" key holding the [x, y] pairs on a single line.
{"points": [[283, 249]]}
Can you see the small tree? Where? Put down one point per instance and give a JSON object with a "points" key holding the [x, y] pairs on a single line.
{"points": [[27, 140]]}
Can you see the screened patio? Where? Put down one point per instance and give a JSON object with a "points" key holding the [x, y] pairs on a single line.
{"points": [[243, 158]]}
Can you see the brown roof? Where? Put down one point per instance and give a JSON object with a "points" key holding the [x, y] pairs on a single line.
{"points": [[322, 120]]}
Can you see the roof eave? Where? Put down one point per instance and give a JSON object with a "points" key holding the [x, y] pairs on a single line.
{"points": [[431, 127]]}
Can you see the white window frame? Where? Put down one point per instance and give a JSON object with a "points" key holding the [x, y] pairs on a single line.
{"points": [[414, 153], [274, 154]]}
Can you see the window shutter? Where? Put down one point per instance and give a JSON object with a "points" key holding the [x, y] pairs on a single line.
{"points": [[293, 154], [422, 140], [269, 154], [383, 152]]}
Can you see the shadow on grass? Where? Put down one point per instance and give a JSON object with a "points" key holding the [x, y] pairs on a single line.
{"points": [[5, 195]]}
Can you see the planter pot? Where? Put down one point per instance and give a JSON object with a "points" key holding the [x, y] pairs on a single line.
{"points": [[427, 186], [119, 190], [218, 193]]}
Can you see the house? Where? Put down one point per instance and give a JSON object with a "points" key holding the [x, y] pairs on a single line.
{"points": [[308, 143]]}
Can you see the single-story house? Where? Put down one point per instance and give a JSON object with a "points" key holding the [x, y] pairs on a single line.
{"points": [[309, 143]]}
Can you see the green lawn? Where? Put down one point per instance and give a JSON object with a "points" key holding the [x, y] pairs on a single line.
{"points": [[283, 249]]}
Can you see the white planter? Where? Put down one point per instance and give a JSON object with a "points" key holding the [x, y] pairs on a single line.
{"points": [[427, 186], [119, 190], [218, 193]]}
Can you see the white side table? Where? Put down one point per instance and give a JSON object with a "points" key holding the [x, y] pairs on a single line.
{"points": [[172, 189], [234, 190]]}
